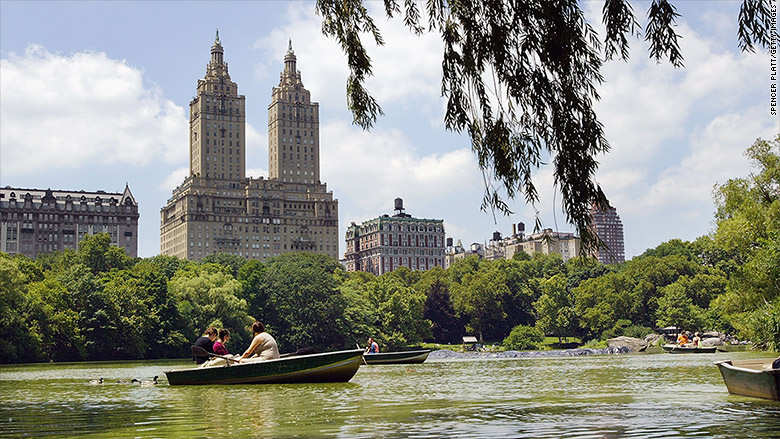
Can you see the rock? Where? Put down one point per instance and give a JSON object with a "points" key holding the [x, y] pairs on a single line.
{"points": [[711, 341], [446, 354], [635, 344], [652, 339]]}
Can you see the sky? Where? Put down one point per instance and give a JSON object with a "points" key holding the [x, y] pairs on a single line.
{"points": [[95, 95]]}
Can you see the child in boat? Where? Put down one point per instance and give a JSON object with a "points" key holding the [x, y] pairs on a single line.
{"points": [[682, 339]]}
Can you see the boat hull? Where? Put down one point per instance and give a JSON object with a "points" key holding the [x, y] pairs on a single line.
{"points": [[408, 357], [674, 349], [327, 367], [749, 378]]}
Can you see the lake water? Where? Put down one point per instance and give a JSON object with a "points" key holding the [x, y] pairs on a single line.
{"points": [[605, 396]]}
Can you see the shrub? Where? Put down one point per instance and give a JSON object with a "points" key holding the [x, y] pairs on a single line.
{"points": [[524, 337]]}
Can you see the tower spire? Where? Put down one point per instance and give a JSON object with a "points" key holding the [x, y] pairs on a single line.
{"points": [[289, 46], [216, 39]]}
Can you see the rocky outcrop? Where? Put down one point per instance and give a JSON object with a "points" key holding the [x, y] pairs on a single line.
{"points": [[445, 354], [711, 341], [635, 344], [653, 339]]}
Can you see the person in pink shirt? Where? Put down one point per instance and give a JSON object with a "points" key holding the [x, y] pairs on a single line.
{"points": [[219, 344]]}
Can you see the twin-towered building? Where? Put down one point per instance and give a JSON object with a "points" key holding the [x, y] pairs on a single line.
{"points": [[218, 209]]}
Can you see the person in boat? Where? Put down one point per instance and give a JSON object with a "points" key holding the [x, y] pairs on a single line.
{"points": [[263, 346], [219, 344], [206, 341], [372, 347], [682, 339], [776, 363], [220, 349], [696, 342]]}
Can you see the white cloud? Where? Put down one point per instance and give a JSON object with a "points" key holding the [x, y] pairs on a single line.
{"points": [[716, 155], [374, 168], [174, 179], [407, 69], [83, 108]]}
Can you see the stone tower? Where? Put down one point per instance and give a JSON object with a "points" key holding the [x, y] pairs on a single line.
{"points": [[217, 123], [293, 128]]}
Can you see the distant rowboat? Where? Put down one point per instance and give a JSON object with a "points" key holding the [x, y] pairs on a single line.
{"points": [[326, 367], [751, 378], [407, 357], [675, 349]]}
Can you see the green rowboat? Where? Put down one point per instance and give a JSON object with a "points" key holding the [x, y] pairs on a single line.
{"points": [[751, 378], [407, 357], [326, 367], [675, 349]]}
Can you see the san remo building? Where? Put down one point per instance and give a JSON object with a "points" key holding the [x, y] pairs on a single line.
{"points": [[217, 209]]}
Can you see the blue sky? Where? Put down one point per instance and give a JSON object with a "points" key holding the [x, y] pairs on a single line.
{"points": [[95, 94]]}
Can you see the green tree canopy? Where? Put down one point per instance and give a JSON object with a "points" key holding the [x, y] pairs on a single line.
{"points": [[298, 299], [748, 219], [207, 296]]}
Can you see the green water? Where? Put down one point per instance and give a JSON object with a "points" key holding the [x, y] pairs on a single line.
{"points": [[610, 396]]}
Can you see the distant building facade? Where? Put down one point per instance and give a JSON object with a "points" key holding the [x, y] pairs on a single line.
{"points": [[546, 242], [607, 226], [455, 252], [217, 209], [37, 221], [386, 243]]}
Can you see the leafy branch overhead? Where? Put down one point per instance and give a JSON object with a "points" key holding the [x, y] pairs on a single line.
{"points": [[520, 77]]}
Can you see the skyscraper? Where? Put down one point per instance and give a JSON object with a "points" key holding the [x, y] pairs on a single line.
{"points": [[217, 208], [607, 226]]}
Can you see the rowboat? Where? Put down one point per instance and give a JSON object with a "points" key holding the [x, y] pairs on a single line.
{"points": [[326, 367], [751, 378], [406, 357], [675, 349]]}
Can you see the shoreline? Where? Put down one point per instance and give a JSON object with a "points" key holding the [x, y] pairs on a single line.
{"points": [[446, 354]]}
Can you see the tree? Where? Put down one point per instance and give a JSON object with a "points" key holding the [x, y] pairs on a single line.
{"points": [[555, 309], [232, 263], [207, 296], [446, 327], [479, 298], [97, 253], [748, 227], [54, 323], [17, 344], [298, 299], [675, 308], [398, 312], [520, 78], [524, 337], [357, 323]]}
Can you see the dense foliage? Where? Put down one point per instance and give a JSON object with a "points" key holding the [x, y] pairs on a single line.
{"points": [[98, 304]]}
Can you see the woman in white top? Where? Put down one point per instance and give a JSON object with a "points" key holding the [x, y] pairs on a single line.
{"points": [[263, 345]]}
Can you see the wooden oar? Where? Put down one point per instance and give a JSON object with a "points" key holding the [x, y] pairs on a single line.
{"points": [[301, 351], [361, 357], [200, 352]]}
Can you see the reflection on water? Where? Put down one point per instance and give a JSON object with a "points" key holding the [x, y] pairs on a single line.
{"points": [[636, 396]]}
